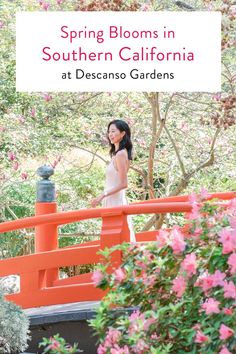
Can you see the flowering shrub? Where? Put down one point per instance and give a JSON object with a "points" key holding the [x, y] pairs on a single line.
{"points": [[58, 345], [14, 327], [182, 286]]}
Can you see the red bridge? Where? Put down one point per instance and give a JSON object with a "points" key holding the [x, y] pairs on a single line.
{"points": [[39, 273]]}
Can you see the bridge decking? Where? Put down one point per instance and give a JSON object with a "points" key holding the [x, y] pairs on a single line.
{"points": [[69, 320], [76, 311]]}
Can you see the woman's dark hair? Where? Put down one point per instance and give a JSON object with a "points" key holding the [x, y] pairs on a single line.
{"points": [[125, 143]]}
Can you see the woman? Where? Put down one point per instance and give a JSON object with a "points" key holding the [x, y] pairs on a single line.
{"points": [[119, 137]]}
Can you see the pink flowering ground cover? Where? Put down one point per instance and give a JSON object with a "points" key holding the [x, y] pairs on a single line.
{"points": [[183, 288]]}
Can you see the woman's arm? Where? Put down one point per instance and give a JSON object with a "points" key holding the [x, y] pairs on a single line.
{"points": [[122, 168]]}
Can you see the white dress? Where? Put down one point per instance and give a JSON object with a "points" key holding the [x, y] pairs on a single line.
{"points": [[116, 199]]}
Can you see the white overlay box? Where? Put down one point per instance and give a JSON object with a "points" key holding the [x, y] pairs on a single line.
{"points": [[118, 51]]}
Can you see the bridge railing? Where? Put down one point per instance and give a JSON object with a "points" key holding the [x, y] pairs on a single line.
{"points": [[39, 282]]}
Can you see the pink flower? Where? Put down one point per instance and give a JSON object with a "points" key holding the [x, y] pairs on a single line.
{"points": [[179, 286], [101, 349], [112, 337], [141, 142], [227, 240], [24, 175], [119, 275], [193, 198], [33, 112], [211, 306], [59, 2], [134, 315], [97, 277], [141, 265], [154, 336], [232, 222], [184, 127], [225, 332], [195, 213], [197, 231], [147, 323], [229, 290], [224, 350], [21, 119], [1, 24], [177, 241], [197, 327], [162, 238], [54, 345], [45, 6], [145, 7], [233, 11], [217, 97], [15, 165], [11, 156], [47, 97], [227, 311], [140, 346], [218, 278], [120, 350], [137, 323], [149, 281], [204, 193], [201, 338], [232, 203], [189, 264], [232, 263], [205, 281]]}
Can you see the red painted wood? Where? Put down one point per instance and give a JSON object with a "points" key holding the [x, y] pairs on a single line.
{"points": [[78, 279], [38, 289]]}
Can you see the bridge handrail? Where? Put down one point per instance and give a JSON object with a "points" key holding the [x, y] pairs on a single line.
{"points": [[61, 257], [39, 281], [159, 206], [68, 217], [185, 198]]}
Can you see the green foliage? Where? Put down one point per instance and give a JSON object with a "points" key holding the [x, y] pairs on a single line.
{"points": [[182, 289], [18, 202], [14, 328], [58, 345]]}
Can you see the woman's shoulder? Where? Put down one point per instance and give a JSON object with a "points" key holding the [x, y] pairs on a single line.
{"points": [[122, 154]]}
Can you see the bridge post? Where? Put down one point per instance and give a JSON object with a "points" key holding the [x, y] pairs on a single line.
{"points": [[46, 236], [115, 231]]}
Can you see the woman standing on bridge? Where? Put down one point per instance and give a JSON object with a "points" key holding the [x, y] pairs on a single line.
{"points": [[119, 137]]}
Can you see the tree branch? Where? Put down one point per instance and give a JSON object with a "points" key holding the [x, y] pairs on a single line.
{"points": [[182, 184], [194, 100], [153, 99], [211, 158], [95, 154], [181, 164], [11, 212]]}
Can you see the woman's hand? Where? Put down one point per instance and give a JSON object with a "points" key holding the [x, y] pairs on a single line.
{"points": [[97, 200]]}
